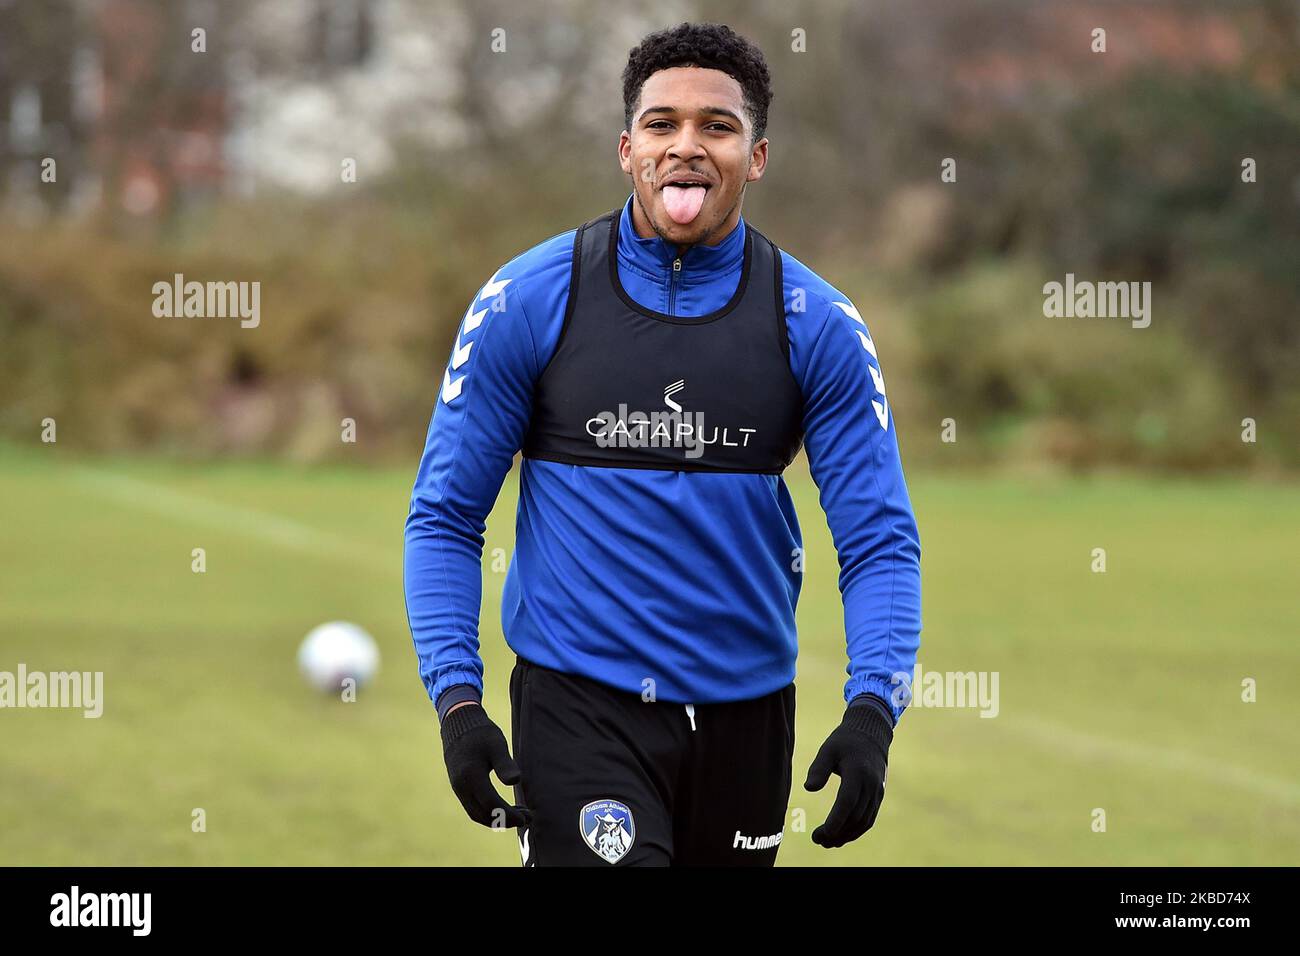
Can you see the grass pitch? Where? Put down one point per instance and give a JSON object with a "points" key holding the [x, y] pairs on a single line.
{"points": [[1119, 691]]}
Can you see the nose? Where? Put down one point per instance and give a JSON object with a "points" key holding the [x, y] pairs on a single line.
{"points": [[687, 144]]}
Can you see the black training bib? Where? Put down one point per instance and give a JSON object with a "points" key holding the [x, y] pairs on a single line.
{"points": [[628, 387]]}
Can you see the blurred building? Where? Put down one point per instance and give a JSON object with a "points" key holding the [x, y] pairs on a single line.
{"points": [[140, 113]]}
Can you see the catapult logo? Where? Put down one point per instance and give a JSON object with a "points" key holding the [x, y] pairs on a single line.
{"points": [[607, 828], [675, 428]]}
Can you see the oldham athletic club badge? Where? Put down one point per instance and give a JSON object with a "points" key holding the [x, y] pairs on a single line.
{"points": [[608, 829]]}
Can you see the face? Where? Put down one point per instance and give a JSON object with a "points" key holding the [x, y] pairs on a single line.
{"points": [[690, 123]]}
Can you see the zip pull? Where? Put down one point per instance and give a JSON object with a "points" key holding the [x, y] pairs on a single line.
{"points": [[672, 285], [690, 712]]}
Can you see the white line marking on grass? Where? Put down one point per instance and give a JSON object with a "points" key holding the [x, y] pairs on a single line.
{"points": [[1061, 738], [263, 526]]}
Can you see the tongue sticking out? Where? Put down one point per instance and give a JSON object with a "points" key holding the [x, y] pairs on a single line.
{"points": [[683, 202]]}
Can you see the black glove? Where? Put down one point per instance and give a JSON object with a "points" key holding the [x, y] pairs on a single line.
{"points": [[857, 750], [473, 747]]}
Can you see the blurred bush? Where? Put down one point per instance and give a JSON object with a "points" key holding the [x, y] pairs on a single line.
{"points": [[1083, 392], [1118, 168]]}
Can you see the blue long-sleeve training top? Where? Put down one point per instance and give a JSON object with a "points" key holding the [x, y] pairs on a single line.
{"points": [[715, 622]]}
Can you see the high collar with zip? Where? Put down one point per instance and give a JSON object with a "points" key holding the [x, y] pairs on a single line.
{"points": [[704, 281]]}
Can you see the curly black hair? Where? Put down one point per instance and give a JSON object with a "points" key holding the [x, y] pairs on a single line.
{"points": [[710, 45]]}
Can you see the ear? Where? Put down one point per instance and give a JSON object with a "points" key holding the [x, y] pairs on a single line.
{"points": [[757, 161], [625, 151]]}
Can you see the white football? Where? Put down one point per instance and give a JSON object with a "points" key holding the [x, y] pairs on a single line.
{"points": [[336, 651]]}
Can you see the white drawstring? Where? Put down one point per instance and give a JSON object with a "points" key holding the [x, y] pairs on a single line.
{"points": [[690, 712]]}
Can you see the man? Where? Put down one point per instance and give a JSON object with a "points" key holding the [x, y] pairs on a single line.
{"points": [[659, 368]]}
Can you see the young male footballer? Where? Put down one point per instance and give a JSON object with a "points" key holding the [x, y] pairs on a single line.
{"points": [[659, 367]]}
